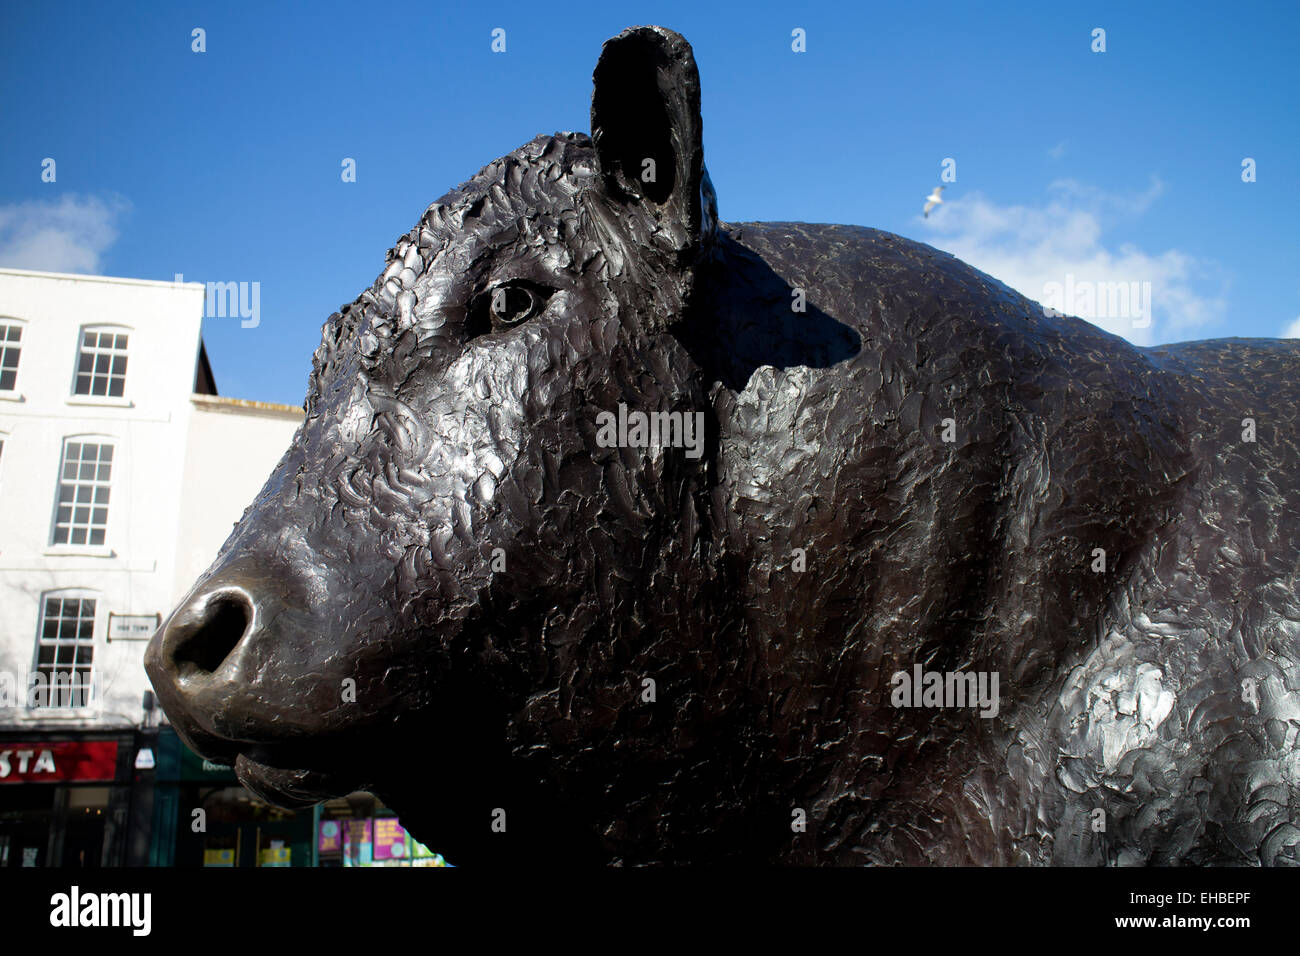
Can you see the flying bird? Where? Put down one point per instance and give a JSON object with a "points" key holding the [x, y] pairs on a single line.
{"points": [[933, 200]]}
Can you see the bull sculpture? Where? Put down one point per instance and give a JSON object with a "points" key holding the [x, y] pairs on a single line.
{"points": [[620, 534]]}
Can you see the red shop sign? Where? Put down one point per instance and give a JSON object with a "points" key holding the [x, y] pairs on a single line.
{"points": [[47, 762]]}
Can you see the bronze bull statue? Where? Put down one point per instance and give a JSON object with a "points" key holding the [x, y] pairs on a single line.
{"points": [[624, 535]]}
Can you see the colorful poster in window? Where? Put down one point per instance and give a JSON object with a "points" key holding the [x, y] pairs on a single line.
{"points": [[421, 855], [330, 839], [218, 857], [390, 840], [357, 846], [434, 860], [277, 854]]}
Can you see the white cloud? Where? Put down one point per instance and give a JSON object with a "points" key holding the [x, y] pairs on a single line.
{"points": [[69, 234], [1057, 151], [1064, 241]]}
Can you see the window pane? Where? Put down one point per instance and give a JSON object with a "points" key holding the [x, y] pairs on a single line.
{"points": [[119, 364], [65, 652], [115, 387], [7, 380], [98, 386], [120, 344], [85, 463]]}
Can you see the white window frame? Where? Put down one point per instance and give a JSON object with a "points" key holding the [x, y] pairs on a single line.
{"points": [[94, 483], [93, 703], [15, 394], [89, 398]]}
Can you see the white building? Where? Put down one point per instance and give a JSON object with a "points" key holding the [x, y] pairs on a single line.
{"points": [[117, 488]]}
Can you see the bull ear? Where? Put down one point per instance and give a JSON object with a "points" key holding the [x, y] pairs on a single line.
{"points": [[648, 134]]}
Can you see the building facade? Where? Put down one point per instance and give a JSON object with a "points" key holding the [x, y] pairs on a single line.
{"points": [[121, 473]]}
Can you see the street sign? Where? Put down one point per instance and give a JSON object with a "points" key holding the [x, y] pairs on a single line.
{"points": [[132, 627]]}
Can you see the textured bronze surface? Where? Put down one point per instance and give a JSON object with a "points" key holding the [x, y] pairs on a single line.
{"points": [[451, 592]]}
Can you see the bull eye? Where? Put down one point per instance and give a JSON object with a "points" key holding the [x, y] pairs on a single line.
{"points": [[506, 305], [512, 304]]}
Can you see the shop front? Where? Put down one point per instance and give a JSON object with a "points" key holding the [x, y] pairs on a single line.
{"points": [[65, 799], [203, 817]]}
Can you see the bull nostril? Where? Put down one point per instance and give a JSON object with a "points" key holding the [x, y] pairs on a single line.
{"points": [[224, 622]]}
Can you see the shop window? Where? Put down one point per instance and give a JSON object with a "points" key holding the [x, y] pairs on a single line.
{"points": [[101, 363], [65, 651], [81, 517]]}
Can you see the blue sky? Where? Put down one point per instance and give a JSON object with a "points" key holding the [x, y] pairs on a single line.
{"points": [[225, 165]]}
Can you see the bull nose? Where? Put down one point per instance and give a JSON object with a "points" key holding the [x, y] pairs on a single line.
{"points": [[198, 638]]}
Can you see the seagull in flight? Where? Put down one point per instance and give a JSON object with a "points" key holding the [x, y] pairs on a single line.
{"points": [[933, 200]]}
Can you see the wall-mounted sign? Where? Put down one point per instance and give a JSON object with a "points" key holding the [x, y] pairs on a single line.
{"points": [[49, 762], [132, 627]]}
